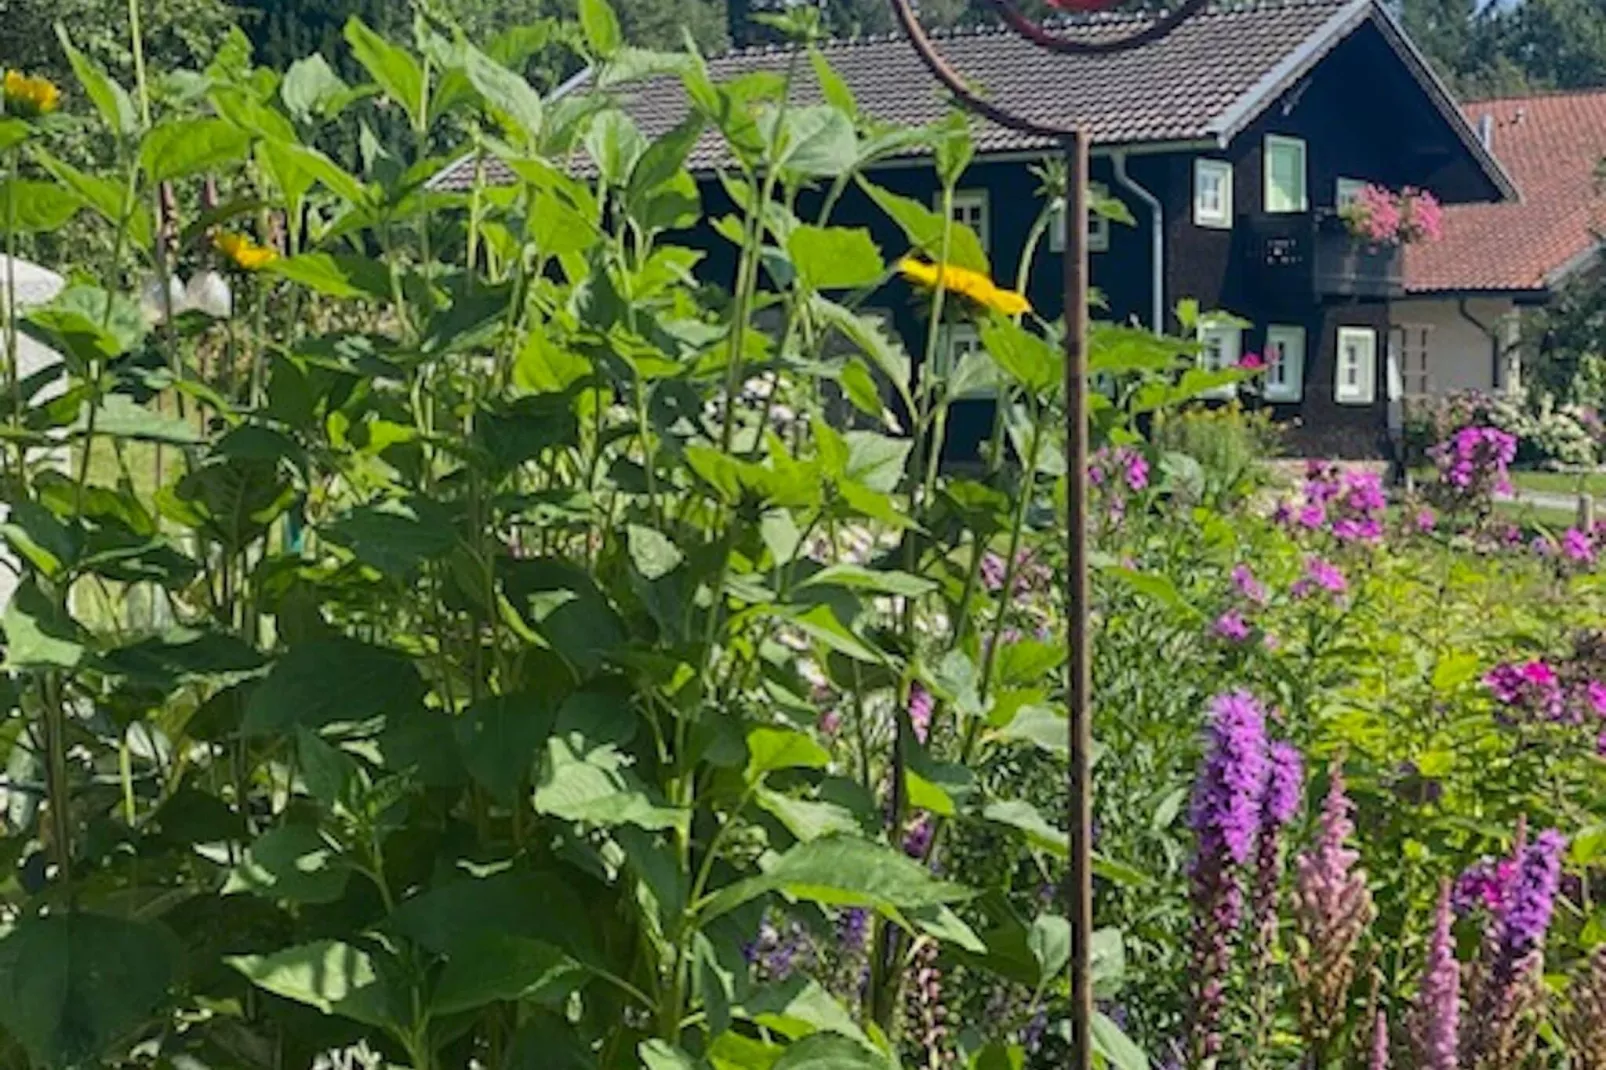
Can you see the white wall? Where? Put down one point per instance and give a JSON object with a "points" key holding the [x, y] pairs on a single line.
{"points": [[1459, 354]]}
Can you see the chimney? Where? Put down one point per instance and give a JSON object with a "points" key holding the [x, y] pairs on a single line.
{"points": [[1486, 131]]}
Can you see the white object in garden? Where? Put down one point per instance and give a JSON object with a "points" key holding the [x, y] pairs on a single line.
{"points": [[209, 292], [34, 285], [154, 306]]}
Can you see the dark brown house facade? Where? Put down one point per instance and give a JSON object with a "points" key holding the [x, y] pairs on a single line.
{"points": [[1231, 143]]}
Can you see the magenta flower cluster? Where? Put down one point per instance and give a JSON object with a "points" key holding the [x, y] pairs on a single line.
{"points": [[1350, 504], [1320, 575], [1235, 624], [1474, 465], [1536, 691]]}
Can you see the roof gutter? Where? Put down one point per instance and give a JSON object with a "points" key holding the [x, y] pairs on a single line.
{"points": [[1156, 240]]}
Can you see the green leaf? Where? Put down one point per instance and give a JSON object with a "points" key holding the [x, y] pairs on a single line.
{"points": [[924, 229], [858, 578], [293, 863], [395, 71], [1022, 815], [73, 984], [870, 336], [651, 552], [1050, 941], [334, 977], [105, 195], [110, 99], [39, 634], [190, 147], [842, 871], [31, 206], [505, 92], [616, 145], [601, 27], [835, 258], [597, 788], [815, 140], [331, 679], [831, 1051], [330, 774], [303, 165], [501, 737], [310, 87], [395, 537], [805, 818], [1116, 1047], [822, 625], [769, 749], [1042, 727], [1025, 357], [450, 917], [797, 1007], [120, 416], [661, 1055], [336, 275], [493, 967], [832, 87]]}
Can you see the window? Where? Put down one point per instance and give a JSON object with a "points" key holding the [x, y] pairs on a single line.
{"points": [[1285, 174], [1408, 343], [1098, 227], [1212, 193], [1346, 191], [1356, 382], [970, 208], [1221, 346], [954, 341], [1285, 363]]}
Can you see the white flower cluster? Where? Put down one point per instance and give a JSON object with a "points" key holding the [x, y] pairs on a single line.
{"points": [[207, 292]]}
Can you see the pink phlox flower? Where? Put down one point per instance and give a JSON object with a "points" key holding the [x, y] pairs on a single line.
{"points": [[1595, 695], [1252, 362], [1231, 626], [1426, 520], [1326, 575], [1247, 586], [1577, 546]]}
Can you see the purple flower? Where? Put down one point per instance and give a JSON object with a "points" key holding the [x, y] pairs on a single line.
{"points": [[1380, 1043], [1225, 817], [1526, 918], [1436, 1018], [1426, 520], [1137, 471], [1247, 586], [1227, 793], [1473, 465], [1482, 886], [917, 836], [921, 705], [1231, 626], [1321, 574], [1577, 546], [831, 722], [1313, 516], [1285, 784], [1595, 695], [1531, 689]]}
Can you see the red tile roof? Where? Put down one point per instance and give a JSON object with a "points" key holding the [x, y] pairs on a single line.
{"points": [[1551, 146]]}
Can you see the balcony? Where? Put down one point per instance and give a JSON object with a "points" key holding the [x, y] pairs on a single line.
{"points": [[1312, 255]]}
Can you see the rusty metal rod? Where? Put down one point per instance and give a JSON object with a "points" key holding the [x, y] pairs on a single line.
{"points": [[1079, 638]]}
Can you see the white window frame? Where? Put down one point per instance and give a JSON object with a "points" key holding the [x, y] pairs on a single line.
{"points": [[1285, 350], [1416, 371], [1231, 337], [1274, 144], [968, 202], [1098, 227], [1217, 217], [1361, 388], [1347, 190], [954, 340]]}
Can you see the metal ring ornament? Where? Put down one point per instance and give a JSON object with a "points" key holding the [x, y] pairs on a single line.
{"points": [[1046, 39]]}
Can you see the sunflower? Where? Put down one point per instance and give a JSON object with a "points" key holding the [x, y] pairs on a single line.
{"points": [[29, 97], [244, 253], [972, 285]]}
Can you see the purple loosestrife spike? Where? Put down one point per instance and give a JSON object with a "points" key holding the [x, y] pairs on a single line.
{"points": [[1583, 1024], [1285, 785], [1332, 909], [1225, 817], [1380, 1043], [1507, 985], [921, 705], [1436, 1018]]}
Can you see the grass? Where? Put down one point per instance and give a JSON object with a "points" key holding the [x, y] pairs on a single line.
{"points": [[1594, 483]]}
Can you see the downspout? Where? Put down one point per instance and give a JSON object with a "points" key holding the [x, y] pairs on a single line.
{"points": [[1156, 239], [1493, 335]]}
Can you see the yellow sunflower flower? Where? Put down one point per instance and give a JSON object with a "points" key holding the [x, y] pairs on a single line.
{"points": [[244, 253], [972, 285], [29, 97]]}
